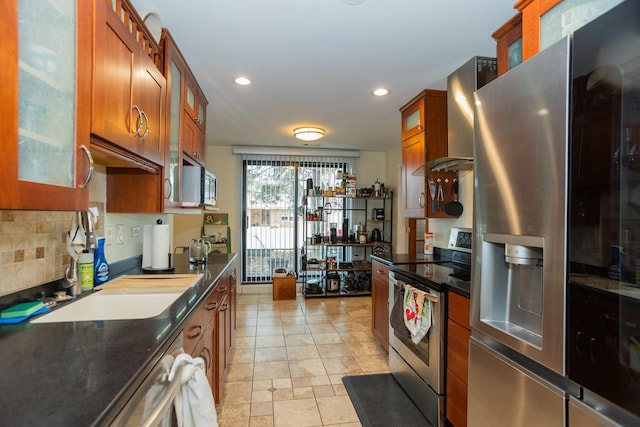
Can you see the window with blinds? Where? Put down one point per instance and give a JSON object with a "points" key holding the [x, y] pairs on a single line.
{"points": [[273, 206]]}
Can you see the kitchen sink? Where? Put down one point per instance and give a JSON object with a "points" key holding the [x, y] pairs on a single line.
{"points": [[126, 297], [115, 304]]}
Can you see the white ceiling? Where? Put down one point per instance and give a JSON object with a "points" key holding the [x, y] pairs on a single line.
{"points": [[315, 62]]}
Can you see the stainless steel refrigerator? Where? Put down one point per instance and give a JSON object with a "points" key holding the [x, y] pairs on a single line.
{"points": [[517, 348]]}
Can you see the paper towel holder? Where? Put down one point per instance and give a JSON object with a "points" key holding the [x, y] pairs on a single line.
{"points": [[170, 269]]}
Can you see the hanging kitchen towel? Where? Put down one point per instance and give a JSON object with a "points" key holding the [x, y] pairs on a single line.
{"points": [[76, 237], [156, 393], [396, 317], [417, 313], [194, 400]]}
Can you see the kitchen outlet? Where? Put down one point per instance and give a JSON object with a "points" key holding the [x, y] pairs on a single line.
{"points": [[108, 235], [135, 231], [119, 234]]}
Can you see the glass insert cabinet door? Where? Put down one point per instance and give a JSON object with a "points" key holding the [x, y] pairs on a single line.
{"points": [[47, 77]]}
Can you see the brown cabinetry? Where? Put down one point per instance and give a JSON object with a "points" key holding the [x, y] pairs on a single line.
{"points": [[187, 105], [458, 334], [128, 87], [45, 109], [209, 331], [509, 44], [222, 332], [198, 334], [424, 133], [380, 302]]}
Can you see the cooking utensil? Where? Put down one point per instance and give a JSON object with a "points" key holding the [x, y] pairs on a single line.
{"points": [[432, 190], [454, 207], [440, 203]]}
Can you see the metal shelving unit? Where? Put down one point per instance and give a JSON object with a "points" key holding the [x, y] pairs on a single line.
{"points": [[339, 239]]}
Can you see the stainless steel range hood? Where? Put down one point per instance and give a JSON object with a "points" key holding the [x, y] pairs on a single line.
{"points": [[461, 84]]}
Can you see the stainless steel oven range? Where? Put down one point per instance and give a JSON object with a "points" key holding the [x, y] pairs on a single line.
{"points": [[418, 368]]}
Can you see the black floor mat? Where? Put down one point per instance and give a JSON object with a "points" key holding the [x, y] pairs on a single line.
{"points": [[380, 401]]}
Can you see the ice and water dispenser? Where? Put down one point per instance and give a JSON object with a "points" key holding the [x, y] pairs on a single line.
{"points": [[513, 286]]}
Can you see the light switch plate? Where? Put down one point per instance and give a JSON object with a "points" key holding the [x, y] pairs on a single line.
{"points": [[108, 235], [119, 234]]}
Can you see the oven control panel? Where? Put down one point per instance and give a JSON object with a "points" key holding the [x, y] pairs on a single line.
{"points": [[460, 239]]}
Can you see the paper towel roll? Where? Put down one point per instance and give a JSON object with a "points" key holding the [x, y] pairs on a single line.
{"points": [[147, 245], [161, 246]]}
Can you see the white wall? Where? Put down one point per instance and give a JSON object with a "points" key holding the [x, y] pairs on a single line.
{"points": [[442, 227], [131, 246]]}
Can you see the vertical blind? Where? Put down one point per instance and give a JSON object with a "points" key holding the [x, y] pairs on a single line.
{"points": [[274, 188]]}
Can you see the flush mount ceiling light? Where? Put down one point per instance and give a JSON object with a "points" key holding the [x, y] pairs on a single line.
{"points": [[381, 91], [242, 81], [308, 133], [353, 2]]}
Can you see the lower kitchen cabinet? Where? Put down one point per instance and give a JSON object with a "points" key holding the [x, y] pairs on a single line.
{"points": [[379, 302], [208, 333], [458, 334]]}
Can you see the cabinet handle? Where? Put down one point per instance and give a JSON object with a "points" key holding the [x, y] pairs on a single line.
{"points": [[168, 195], [420, 128], [224, 307], [211, 306], [146, 121], [137, 132], [207, 359], [90, 158], [222, 289], [379, 271], [194, 332], [421, 200]]}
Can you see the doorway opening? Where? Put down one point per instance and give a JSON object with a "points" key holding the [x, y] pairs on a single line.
{"points": [[273, 206]]}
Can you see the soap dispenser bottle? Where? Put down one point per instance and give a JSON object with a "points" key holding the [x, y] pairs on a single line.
{"points": [[101, 266]]}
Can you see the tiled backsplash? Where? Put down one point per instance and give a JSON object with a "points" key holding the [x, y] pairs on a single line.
{"points": [[33, 247]]}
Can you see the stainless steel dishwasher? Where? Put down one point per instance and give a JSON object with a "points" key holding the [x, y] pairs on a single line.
{"points": [[152, 403]]}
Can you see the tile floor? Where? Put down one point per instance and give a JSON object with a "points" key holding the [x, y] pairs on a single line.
{"points": [[289, 357]]}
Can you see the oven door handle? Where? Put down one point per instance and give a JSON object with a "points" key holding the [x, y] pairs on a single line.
{"points": [[172, 387], [432, 298]]}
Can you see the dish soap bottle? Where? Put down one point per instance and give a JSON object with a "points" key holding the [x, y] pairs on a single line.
{"points": [[101, 266], [85, 270]]}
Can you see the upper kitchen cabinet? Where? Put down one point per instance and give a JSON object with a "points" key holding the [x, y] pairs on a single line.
{"points": [[532, 12], [175, 70], [187, 104], [195, 107], [185, 119], [509, 44], [129, 89], [544, 22], [45, 91], [413, 118], [427, 141]]}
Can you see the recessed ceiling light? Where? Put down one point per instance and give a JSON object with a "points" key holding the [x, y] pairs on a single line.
{"points": [[380, 92], [308, 133], [242, 81]]}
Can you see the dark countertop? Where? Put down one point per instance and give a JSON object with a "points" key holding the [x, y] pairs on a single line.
{"points": [[81, 373], [433, 270]]}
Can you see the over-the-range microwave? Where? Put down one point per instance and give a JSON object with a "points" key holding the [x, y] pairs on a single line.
{"points": [[199, 187]]}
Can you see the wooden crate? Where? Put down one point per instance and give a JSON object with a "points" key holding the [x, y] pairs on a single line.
{"points": [[284, 288]]}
